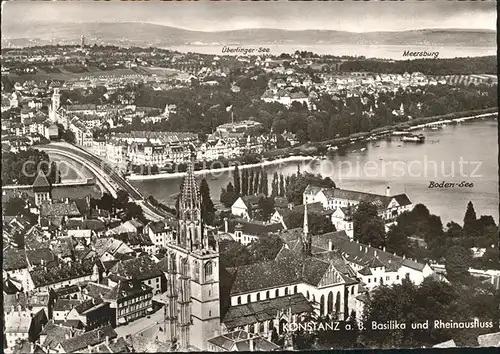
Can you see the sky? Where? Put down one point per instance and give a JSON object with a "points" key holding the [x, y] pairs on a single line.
{"points": [[354, 16]]}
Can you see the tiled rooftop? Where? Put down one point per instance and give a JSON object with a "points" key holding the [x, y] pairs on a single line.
{"points": [[265, 310], [91, 338], [137, 268]]}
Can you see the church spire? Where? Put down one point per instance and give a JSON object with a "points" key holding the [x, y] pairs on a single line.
{"points": [[306, 225], [306, 238], [190, 195], [190, 221]]}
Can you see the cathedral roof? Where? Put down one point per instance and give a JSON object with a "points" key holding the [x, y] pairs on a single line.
{"points": [[255, 312], [253, 227], [286, 270], [365, 255]]}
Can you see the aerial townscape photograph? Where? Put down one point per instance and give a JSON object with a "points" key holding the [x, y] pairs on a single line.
{"points": [[249, 176]]}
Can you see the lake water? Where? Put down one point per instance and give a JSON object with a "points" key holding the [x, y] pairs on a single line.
{"points": [[394, 52], [465, 152]]}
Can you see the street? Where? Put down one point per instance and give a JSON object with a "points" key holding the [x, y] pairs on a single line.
{"points": [[140, 324]]}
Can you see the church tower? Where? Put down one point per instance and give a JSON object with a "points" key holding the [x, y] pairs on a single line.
{"points": [[192, 314], [56, 103]]}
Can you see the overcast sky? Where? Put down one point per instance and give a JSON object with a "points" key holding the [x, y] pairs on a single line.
{"points": [[355, 16]]}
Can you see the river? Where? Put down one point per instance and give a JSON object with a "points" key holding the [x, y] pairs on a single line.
{"points": [[463, 152]]}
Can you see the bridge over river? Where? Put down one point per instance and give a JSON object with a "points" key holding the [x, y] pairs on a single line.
{"points": [[106, 176]]}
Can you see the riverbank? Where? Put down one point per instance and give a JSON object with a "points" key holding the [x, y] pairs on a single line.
{"points": [[414, 124], [215, 171], [304, 153], [444, 146], [451, 121]]}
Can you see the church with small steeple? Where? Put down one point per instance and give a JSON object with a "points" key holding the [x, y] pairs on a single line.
{"points": [[55, 105]]}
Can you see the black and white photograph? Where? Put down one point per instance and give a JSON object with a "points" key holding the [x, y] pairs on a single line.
{"points": [[219, 176]]}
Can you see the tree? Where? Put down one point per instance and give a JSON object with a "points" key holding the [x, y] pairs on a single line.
{"points": [[202, 137], [420, 224], [19, 239], [454, 230], [54, 175], [134, 211], [470, 221], [397, 241], [282, 186], [407, 303], [251, 182], [298, 182], [223, 197], [369, 228], [488, 231], [266, 206], [207, 206], [244, 182], [266, 248], [318, 223], [122, 198], [457, 263], [233, 254], [22, 167], [236, 180], [256, 186], [264, 183], [66, 134], [14, 206], [275, 185], [228, 195], [106, 202]]}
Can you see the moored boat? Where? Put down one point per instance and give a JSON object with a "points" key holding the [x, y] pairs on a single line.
{"points": [[414, 138]]}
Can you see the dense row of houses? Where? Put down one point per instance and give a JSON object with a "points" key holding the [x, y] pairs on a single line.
{"points": [[85, 273], [342, 204], [290, 85], [149, 148], [81, 274], [338, 205]]}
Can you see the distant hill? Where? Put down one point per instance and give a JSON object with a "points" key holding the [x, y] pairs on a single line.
{"points": [[145, 34]]}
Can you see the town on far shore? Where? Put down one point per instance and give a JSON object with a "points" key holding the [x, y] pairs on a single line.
{"points": [[91, 264]]}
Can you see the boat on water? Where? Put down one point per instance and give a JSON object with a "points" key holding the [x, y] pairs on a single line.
{"points": [[399, 132], [362, 149], [436, 127], [414, 138], [333, 147]]}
